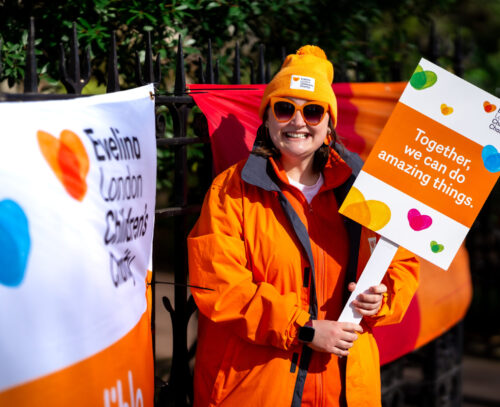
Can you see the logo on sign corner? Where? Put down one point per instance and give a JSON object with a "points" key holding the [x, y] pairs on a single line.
{"points": [[68, 160], [495, 122]]}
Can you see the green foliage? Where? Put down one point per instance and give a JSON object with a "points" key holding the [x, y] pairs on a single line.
{"points": [[368, 40], [365, 38]]}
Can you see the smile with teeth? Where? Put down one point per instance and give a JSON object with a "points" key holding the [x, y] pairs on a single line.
{"points": [[297, 135]]}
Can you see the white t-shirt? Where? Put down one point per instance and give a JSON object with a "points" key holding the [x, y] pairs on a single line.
{"points": [[309, 191]]}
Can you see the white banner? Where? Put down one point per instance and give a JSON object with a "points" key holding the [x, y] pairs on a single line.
{"points": [[77, 200]]}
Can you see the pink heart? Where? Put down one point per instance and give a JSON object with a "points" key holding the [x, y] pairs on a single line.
{"points": [[418, 221]]}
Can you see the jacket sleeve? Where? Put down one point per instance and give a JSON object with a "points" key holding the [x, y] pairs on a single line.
{"points": [[401, 280], [257, 312]]}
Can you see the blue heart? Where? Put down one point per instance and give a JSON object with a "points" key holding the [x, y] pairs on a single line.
{"points": [[491, 158], [15, 243]]}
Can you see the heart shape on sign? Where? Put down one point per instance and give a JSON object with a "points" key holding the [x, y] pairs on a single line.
{"points": [[372, 214], [491, 158], [436, 247], [446, 110], [489, 107], [15, 243], [422, 79], [418, 221], [68, 159]]}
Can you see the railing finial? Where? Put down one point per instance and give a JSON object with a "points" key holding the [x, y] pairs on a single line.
{"points": [[30, 77], [433, 46], [261, 78], [180, 72], [458, 57], [236, 72], [152, 75], [76, 80], [209, 72], [113, 77], [201, 75]]}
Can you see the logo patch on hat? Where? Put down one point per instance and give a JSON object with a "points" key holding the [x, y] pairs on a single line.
{"points": [[302, 83]]}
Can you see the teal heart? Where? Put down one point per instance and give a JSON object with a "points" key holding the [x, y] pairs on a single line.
{"points": [[422, 79], [491, 158], [15, 243]]}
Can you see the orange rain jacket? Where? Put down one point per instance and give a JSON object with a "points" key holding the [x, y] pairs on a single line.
{"points": [[274, 261]]}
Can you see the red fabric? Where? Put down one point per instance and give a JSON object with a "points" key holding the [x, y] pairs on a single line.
{"points": [[233, 119]]}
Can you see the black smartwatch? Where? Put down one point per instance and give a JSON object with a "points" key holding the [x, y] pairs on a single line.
{"points": [[306, 332]]}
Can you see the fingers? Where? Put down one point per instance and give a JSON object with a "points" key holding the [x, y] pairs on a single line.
{"points": [[335, 337], [378, 289], [369, 302], [346, 341], [351, 327], [342, 349]]}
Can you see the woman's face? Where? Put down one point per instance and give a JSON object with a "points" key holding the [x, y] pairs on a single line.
{"points": [[296, 140]]}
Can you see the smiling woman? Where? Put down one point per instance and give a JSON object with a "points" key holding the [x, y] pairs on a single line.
{"points": [[298, 138], [281, 261]]}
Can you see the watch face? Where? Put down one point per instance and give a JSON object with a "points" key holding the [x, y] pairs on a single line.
{"points": [[306, 334]]}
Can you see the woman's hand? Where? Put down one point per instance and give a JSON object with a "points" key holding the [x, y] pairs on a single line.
{"points": [[334, 337], [369, 302]]}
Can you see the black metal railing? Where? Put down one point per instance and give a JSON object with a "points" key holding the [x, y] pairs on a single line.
{"points": [[435, 369]]}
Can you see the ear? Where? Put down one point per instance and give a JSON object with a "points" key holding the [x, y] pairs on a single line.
{"points": [[266, 117]]}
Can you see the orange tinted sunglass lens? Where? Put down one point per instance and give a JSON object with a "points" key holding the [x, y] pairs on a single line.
{"points": [[284, 110]]}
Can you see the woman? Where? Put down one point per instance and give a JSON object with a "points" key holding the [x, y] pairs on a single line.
{"points": [[271, 244]]}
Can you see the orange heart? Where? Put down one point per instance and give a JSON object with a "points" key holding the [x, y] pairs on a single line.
{"points": [[68, 159], [488, 107], [446, 110], [372, 214], [295, 78]]}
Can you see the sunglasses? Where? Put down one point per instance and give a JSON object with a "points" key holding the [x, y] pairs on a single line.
{"points": [[284, 109]]}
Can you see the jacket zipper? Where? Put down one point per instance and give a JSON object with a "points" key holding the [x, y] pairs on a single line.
{"points": [[320, 286]]}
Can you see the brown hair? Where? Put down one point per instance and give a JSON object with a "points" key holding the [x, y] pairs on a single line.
{"points": [[265, 147]]}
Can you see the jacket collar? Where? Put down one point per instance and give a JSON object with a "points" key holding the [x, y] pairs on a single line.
{"points": [[258, 171]]}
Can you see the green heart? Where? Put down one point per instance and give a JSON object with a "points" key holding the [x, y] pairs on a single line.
{"points": [[436, 247], [422, 79]]}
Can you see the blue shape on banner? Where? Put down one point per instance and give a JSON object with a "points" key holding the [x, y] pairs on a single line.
{"points": [[491, 158], [15, 243]]}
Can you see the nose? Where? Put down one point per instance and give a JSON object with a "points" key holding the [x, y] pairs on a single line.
{"points": [[298, 119]]}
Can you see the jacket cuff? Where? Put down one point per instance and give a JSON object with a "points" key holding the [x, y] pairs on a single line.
{"points": [[301, 320]]}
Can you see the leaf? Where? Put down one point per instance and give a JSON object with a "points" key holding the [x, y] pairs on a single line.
{"points": [[212, 5]]}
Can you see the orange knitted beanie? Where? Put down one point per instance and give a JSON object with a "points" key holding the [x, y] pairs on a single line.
{"points": [[306, 75]]}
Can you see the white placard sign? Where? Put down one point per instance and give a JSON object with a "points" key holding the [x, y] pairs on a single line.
{"points": [[432, 167]]}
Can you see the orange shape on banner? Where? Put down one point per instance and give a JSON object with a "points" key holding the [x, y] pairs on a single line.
{"points": [[488, 107], [68, 159], [446, 110]]}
